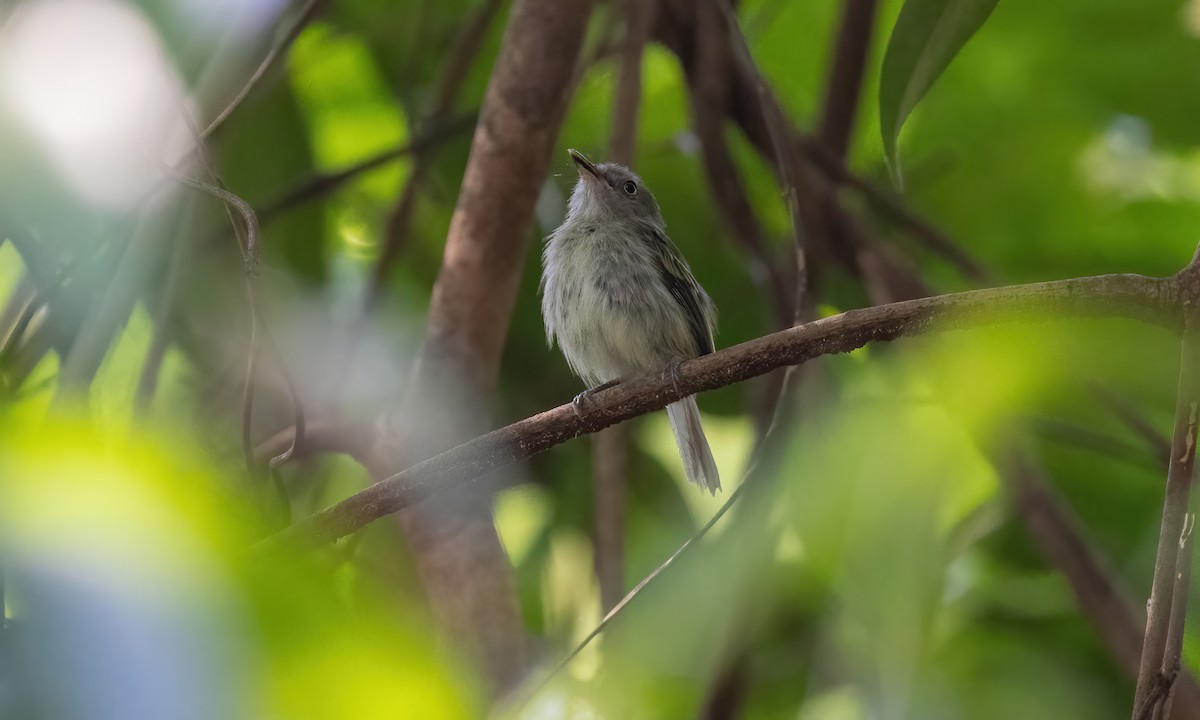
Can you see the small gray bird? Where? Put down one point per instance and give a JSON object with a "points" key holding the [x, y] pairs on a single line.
{"points": [[621, 301]]}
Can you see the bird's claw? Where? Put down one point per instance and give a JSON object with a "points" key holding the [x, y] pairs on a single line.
{"points": [[578, 401], [673, 371]]}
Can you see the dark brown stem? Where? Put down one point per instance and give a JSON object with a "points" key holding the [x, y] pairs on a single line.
{"points": [[1153, 300], [1167, 605], [845, 75]]}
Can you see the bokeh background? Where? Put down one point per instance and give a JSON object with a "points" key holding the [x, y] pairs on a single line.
{"points": [[893, 560]]}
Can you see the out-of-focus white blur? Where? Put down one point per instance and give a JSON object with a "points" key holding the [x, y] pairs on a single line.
{"points": [[92, 83]]}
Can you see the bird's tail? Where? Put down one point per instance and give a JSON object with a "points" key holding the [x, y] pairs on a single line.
{"points": [[698, 463]]}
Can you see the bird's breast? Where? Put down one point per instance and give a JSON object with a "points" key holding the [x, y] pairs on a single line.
{"points": [[614, 318]]}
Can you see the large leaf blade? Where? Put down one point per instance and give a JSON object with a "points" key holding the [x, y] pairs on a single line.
{"points": [[927, 36]]}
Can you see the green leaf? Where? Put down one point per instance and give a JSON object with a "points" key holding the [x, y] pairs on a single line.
{"points": [[927, 36]]}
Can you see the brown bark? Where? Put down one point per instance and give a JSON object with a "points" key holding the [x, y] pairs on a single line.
{"points": [[466, 573]]}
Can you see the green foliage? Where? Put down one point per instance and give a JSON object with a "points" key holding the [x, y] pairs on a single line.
{"points": [[880, 571]]}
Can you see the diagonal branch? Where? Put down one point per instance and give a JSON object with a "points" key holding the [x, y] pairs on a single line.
{"points": [[278, 48], [1154, 300], [818, 170], [323, 184], [1135, 420]]}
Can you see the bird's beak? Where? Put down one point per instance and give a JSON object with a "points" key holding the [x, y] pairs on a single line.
{"points": [[583, 165]]}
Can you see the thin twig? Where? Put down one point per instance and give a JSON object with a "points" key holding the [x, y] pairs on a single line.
{"points": [[886, 202], [1136, 421], [280, 46], [1096, 441], [251, 265], [1173, 658], [252, 260], [321, 436], [250, 254], [323, 184], [637, 589]]}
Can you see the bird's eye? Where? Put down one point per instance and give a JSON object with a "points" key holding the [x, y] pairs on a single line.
{"points": [[630, 187]]}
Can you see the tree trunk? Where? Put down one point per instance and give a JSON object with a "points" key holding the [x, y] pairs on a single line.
{"points": [[466, 573]]}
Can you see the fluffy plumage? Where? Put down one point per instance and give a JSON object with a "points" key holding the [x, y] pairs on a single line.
{"points": [[621, 301]]}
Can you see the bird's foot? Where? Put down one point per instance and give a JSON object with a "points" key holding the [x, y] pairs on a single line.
{"points": [[578, 402]]}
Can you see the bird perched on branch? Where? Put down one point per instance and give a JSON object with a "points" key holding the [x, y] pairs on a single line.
{"points": [[621, 301]]}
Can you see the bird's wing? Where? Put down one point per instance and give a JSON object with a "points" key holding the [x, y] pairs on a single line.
{"points": [[697, 306]]}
